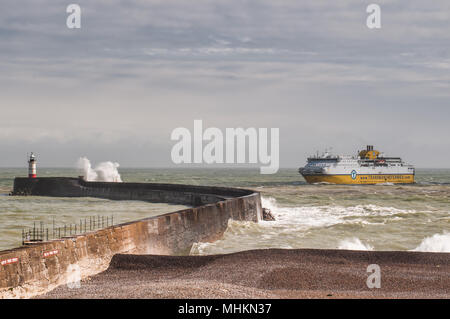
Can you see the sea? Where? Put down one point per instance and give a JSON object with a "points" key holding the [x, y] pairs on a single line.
{"points": [[359, 217]]}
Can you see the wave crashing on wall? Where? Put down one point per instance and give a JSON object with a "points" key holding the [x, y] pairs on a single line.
{"points": [[103, 172]]}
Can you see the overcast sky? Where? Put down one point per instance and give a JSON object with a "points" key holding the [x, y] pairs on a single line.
{"points": [[116, 88]]}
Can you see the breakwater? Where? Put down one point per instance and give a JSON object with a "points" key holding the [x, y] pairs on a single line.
{"points": [[30, 270]]}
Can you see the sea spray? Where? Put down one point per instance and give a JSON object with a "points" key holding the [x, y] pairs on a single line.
{"points": [[103, 172], [438, 243], [389, 218], [313, 226], [85, 166], [306, 216]]}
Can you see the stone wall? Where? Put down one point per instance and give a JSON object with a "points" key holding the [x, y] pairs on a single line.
{"points": [[30, 270]]}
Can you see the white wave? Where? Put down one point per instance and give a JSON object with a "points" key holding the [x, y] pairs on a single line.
{"points": [[353, 244], [103, 172], [306, 217], [438, 243], [200, 248]]}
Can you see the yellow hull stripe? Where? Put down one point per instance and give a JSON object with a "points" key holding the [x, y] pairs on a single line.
{"points": [[361, 179]]}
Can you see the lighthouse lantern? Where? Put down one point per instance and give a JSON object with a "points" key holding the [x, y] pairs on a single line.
{"points": [[32, 166]]}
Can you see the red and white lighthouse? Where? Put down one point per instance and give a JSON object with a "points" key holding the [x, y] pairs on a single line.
{"points": [[32, 166]]}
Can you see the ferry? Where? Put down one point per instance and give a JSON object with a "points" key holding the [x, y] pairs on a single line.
{"points": [[368, 167]]}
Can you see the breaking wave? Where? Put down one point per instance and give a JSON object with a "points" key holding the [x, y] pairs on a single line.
{"points": [[328, 215], [438, 243], [103, 172], [325, 227], [353, 244]]}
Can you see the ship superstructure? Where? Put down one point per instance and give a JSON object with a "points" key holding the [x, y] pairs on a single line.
{"points": [[368, 167]]}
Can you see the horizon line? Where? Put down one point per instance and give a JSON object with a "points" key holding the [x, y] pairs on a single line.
{"points": [[183, 167]]}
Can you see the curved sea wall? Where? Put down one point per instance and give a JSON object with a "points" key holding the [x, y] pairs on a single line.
{"points": [[31, 270]]}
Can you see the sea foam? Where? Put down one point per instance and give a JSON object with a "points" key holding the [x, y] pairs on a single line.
{"points": [[103, 172], [353, 244]]}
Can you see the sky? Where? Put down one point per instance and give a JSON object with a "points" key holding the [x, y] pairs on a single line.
{"points": [[117, 87]]}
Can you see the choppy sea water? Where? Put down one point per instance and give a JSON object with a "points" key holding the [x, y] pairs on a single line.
{"points": [[366, 217]]}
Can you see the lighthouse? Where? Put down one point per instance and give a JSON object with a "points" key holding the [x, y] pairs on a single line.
{"points": [[32, 166]]}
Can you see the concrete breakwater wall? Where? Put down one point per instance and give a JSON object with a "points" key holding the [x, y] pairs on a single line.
{"points": [[31, 270]]}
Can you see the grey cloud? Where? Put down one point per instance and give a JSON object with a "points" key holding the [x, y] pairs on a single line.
{"points": [[137, 69]]}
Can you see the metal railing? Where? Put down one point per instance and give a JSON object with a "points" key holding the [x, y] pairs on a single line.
{"points": [[41, 232]]}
